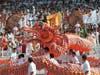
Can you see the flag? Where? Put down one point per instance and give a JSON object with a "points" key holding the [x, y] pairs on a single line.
{"points": [[54, 20]]}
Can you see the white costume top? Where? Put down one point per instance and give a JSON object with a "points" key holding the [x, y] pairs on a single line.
{"points": [[47, 55], [54, 61], [64, 58], [20, 61], [32, 68], [75, 60], [86, 67]]}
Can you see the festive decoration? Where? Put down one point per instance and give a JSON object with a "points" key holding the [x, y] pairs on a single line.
{"points": [[54, 20], [80, 44], [4, 61], [94, 62], [58, 45]]}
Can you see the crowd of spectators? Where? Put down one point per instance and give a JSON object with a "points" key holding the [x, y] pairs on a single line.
{"points": [[39, 9], [31, 11]]}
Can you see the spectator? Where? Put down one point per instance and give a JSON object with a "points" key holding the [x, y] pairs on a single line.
{"points": [[77, 27], [97, 37], [22, 22], [10, 46], [14, 55]]}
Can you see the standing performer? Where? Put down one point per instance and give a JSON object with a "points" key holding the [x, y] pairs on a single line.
{"points": [[86, 66], [74, 58], [54, 61], [32, 67]]}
